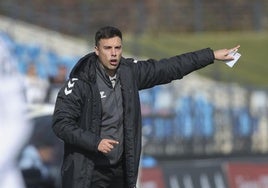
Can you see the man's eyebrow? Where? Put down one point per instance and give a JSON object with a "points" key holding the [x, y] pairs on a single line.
{"points": [[110, 46], [107, 46]]}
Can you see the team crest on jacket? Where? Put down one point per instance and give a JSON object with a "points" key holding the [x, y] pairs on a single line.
{"points": [[69, 88]]}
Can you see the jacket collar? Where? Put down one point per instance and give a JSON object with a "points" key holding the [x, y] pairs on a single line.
{"points": [[85, 69]]}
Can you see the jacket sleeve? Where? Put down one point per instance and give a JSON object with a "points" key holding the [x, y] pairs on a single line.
{"points": [[152, 72], [67, 117]]}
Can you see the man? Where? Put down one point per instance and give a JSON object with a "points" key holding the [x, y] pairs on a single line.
{"points": [[97, 113], [15, 129]]}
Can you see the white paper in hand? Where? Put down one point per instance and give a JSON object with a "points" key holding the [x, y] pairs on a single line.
{"points": [[236, 56]]}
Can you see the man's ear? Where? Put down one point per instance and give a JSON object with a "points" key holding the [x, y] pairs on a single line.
{"points": [[96, 50]]}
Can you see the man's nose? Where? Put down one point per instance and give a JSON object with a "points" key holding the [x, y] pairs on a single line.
{"points": [[113, 52]]}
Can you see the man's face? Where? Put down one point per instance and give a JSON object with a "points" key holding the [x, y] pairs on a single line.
{"points": [[109, 52]]}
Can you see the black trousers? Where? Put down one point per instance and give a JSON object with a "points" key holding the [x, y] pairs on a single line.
{"points": [[108, 177]]}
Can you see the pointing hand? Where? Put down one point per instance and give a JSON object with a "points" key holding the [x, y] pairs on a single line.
{"points": [[106, 145], [224, 54]]}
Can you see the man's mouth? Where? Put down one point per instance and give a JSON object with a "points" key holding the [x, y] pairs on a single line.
{"points": [[113, 62]]}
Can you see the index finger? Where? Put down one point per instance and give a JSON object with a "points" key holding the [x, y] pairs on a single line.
{"points": [[113, 142], [234, 49]]}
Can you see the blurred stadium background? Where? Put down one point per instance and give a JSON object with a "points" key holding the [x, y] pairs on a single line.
{"points": [[208, 130]]}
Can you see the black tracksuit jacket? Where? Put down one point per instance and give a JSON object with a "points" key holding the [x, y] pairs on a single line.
{"points": [[77, 114]]}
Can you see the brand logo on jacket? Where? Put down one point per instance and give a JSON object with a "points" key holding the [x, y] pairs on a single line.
{"points": [[102, 94], [69, 88]]}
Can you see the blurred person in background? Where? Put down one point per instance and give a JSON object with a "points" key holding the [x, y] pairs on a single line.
{"points": [[15, 129], [41, 159], [35, 87], [97, 112], [37, 164], [55, 83]]}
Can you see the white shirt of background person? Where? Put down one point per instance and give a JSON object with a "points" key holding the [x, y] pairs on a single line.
{"points": [[15, 130]]}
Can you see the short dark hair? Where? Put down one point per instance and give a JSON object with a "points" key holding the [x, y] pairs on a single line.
{"points": [[107, 32]]}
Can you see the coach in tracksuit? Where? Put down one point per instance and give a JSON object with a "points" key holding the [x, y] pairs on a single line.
{"points": [[98, 116]]}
